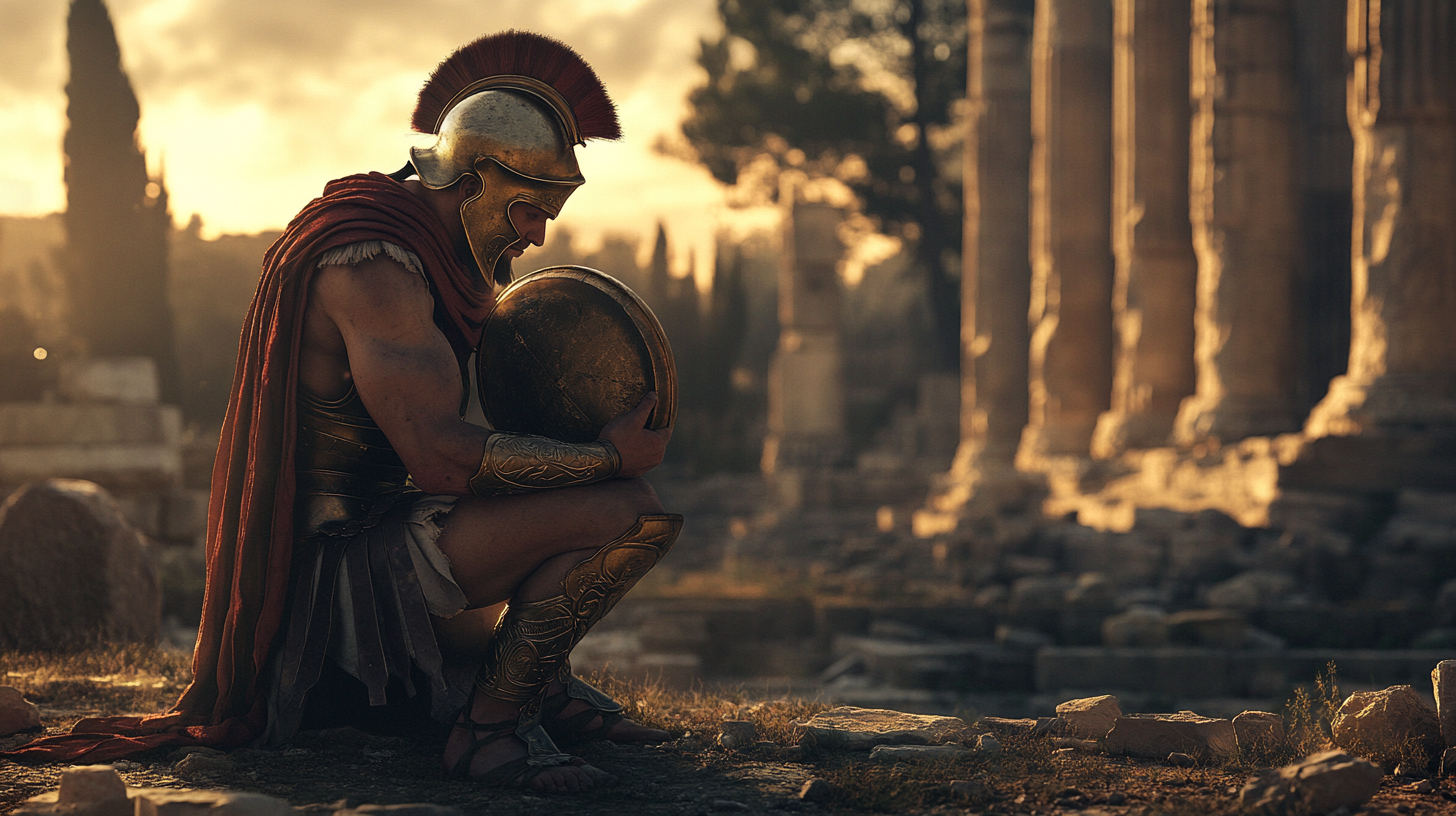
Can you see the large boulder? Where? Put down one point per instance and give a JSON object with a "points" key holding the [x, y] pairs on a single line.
{"points": [[1319, 784], [1155, 736], [1390, 726], [73, 571]]}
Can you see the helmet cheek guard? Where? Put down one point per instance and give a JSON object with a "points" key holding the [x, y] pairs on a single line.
{"points": [[486, 215]]}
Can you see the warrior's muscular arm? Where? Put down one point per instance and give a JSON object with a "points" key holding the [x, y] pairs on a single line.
{"points": [[378, 317]]}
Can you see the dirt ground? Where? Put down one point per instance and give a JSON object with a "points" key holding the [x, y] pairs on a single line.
{"points": [[321, 772]]}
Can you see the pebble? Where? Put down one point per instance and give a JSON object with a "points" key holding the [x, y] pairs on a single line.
{"points": [[1179, 760], [737, 734], [198, 764], [1116, 798], [816, 790]]}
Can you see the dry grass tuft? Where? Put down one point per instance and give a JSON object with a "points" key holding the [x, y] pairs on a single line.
{"points": [[113, 679], [1309, 717], [699, 713]]}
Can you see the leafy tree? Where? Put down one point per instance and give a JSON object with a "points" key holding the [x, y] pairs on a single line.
{"points": [[861, 91]]}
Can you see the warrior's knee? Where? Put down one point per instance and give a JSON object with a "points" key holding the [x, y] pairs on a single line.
{"points": [[638, 497]]}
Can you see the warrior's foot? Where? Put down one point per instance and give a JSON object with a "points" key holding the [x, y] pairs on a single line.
{"points": [[491, 752], [570, 721]]}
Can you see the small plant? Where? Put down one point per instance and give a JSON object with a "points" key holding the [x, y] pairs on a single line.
{"points": [[1309, 717]]}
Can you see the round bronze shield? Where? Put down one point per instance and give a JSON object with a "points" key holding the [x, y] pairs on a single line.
{"points": [[566, 350]]}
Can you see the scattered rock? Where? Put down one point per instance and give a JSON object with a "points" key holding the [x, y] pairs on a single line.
{"points": [[90, 784], [98, 791], [71, 567], [16, 713], [988, 745], [737, 733], [1090, 718], [1154, 736], [197, 765], [1116, 798], [850, 727], [1250, 590], [1318, 784], [1259, 733], [1443, 682], [1423, 786], [1139, 626], [1085, 746], [401, 810], [968, 789], [1178, 760], [1217, 628], [1387, 726], [176, 802], [816, 790], [915, 753], [1039, 726]]}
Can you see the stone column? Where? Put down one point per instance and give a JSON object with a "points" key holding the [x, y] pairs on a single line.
{"points": [[806, 379], [1391, 421], [1071, 253], [1152, 239], [996, 274], [1245, 221]]}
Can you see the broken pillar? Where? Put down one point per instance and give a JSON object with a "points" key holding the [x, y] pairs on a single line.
{"points": [[806, 379], [1071, 253], [1245, 213], [1152, 239], [1390, 422]]}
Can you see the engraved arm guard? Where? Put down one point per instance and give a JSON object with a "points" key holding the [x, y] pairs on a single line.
{"points": [[520, 463]]}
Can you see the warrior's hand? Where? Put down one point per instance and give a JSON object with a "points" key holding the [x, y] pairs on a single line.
{"points": [[640, 447]]}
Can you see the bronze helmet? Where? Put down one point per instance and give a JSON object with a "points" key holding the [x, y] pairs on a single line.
{"points": [[509, 109]]}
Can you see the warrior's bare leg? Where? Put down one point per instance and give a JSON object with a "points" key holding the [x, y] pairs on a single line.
{"points": [[518, 549]]}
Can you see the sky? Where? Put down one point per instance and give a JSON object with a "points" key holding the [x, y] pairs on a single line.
{"points": [[254, 104]]}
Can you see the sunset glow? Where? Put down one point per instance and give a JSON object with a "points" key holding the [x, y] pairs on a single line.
{"points": [[250, 108]]}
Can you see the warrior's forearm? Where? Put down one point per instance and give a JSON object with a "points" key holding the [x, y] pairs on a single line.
{"points": [[520, 463]]}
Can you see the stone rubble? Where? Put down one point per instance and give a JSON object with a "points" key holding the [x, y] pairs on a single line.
{"points": [[1090, 717], [1318, 784], [16, 713], [1388, 725], [1443, 682], [1155, 736], [1259, 734], [97, 790], [850, 727]]}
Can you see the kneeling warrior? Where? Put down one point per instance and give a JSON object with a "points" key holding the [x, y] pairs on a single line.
{"points": [[371, 555]]}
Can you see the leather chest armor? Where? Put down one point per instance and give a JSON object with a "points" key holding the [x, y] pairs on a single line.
{"points": [[344, 463]]}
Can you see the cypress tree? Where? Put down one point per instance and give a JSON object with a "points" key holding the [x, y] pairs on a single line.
{"points": [[117, 223]]}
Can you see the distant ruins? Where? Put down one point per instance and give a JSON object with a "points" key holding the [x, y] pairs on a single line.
{"points": [[1183, 357]]}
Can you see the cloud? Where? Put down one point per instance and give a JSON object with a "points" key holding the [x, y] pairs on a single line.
{"points": [[255, 104]]}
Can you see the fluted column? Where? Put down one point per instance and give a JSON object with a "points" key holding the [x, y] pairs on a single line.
{"points": [[1152, 239], [1071, 253], [996, 274], [1391, 421], [1245, 221]]}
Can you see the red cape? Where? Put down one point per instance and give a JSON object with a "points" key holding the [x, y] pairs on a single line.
{"points": [[250, 514]]}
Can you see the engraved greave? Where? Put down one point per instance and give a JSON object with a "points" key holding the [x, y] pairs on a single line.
{"points": [[535, 639]]}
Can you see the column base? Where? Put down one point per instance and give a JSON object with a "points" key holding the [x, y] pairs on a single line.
{"points": [[1231, 419], [1397, 431], [1117, 432]]}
